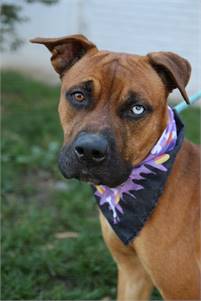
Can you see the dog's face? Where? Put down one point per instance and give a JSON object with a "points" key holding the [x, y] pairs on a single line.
{"points": [[112, 110], [112, 107]]}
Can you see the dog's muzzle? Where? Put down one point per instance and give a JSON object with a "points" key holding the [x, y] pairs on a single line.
{"points": [[93, 157]]}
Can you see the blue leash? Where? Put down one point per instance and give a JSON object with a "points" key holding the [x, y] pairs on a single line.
{"points": [[183, 105]]}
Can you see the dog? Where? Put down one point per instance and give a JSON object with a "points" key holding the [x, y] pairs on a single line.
{"points": [[102, 93]]}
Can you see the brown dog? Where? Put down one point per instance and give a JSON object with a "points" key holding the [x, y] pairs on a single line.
{"points": [[97, 86]]}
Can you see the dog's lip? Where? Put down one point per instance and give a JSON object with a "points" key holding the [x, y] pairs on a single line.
{"points": [[86, 176], [92, 181], [95, 180]]}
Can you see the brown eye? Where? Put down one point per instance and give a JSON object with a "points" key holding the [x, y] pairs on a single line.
{"points": [[78, 96]]}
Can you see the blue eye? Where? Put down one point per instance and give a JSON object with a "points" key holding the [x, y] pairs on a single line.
{"points": [[138, 109]]}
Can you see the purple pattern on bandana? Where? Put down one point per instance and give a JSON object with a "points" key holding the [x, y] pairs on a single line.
{"points": [[156, 158]]}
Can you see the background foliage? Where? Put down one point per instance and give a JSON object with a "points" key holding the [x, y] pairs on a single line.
{"points": [[10, 16]]}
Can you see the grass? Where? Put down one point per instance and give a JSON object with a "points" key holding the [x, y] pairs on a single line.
{"points": [[52, 247]]}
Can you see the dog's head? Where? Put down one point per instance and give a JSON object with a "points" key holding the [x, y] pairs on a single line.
{"points": [[113, 106]]}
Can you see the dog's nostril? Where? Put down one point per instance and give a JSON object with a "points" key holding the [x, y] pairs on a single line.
{"points": [[97, 155], [79, 150]]}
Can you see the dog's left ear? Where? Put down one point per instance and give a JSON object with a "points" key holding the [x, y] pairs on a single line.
{"points": [[66, 51], [174, 70]]}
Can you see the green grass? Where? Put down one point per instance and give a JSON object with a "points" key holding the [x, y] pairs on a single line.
{"points": [[37, 204]]}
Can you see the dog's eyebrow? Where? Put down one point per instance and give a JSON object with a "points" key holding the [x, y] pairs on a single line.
{"points": [[87, 85], [134, 95], [135, 98]]}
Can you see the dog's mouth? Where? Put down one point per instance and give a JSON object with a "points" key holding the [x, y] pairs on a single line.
{"points": [[101, 177], [86, 176], [110, 174], [94, 158]]}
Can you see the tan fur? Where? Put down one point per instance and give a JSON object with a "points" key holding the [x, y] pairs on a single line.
{"points": [[166, 253], [167, 246]]}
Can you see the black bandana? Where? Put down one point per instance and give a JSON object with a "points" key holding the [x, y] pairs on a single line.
{"points": [[128, 206]]}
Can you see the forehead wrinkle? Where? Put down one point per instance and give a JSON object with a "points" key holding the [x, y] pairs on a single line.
{"points": [[114, 64], [122, 65], [109, 93], [108, 57], [116, 85], [103, 58], [109, 73], [139, 65]]}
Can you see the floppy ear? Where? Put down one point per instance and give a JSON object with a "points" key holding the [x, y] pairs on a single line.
{"points": [[174, 70], [66, 51]]}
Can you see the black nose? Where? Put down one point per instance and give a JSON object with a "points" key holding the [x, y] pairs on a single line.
{"points": [[91, 147]]}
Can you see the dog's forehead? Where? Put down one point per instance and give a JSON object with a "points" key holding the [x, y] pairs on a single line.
{"points": [[113, 69], [102, 62]]}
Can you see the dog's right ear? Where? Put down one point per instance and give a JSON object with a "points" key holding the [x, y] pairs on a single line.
{"points": [[66, 51]]}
